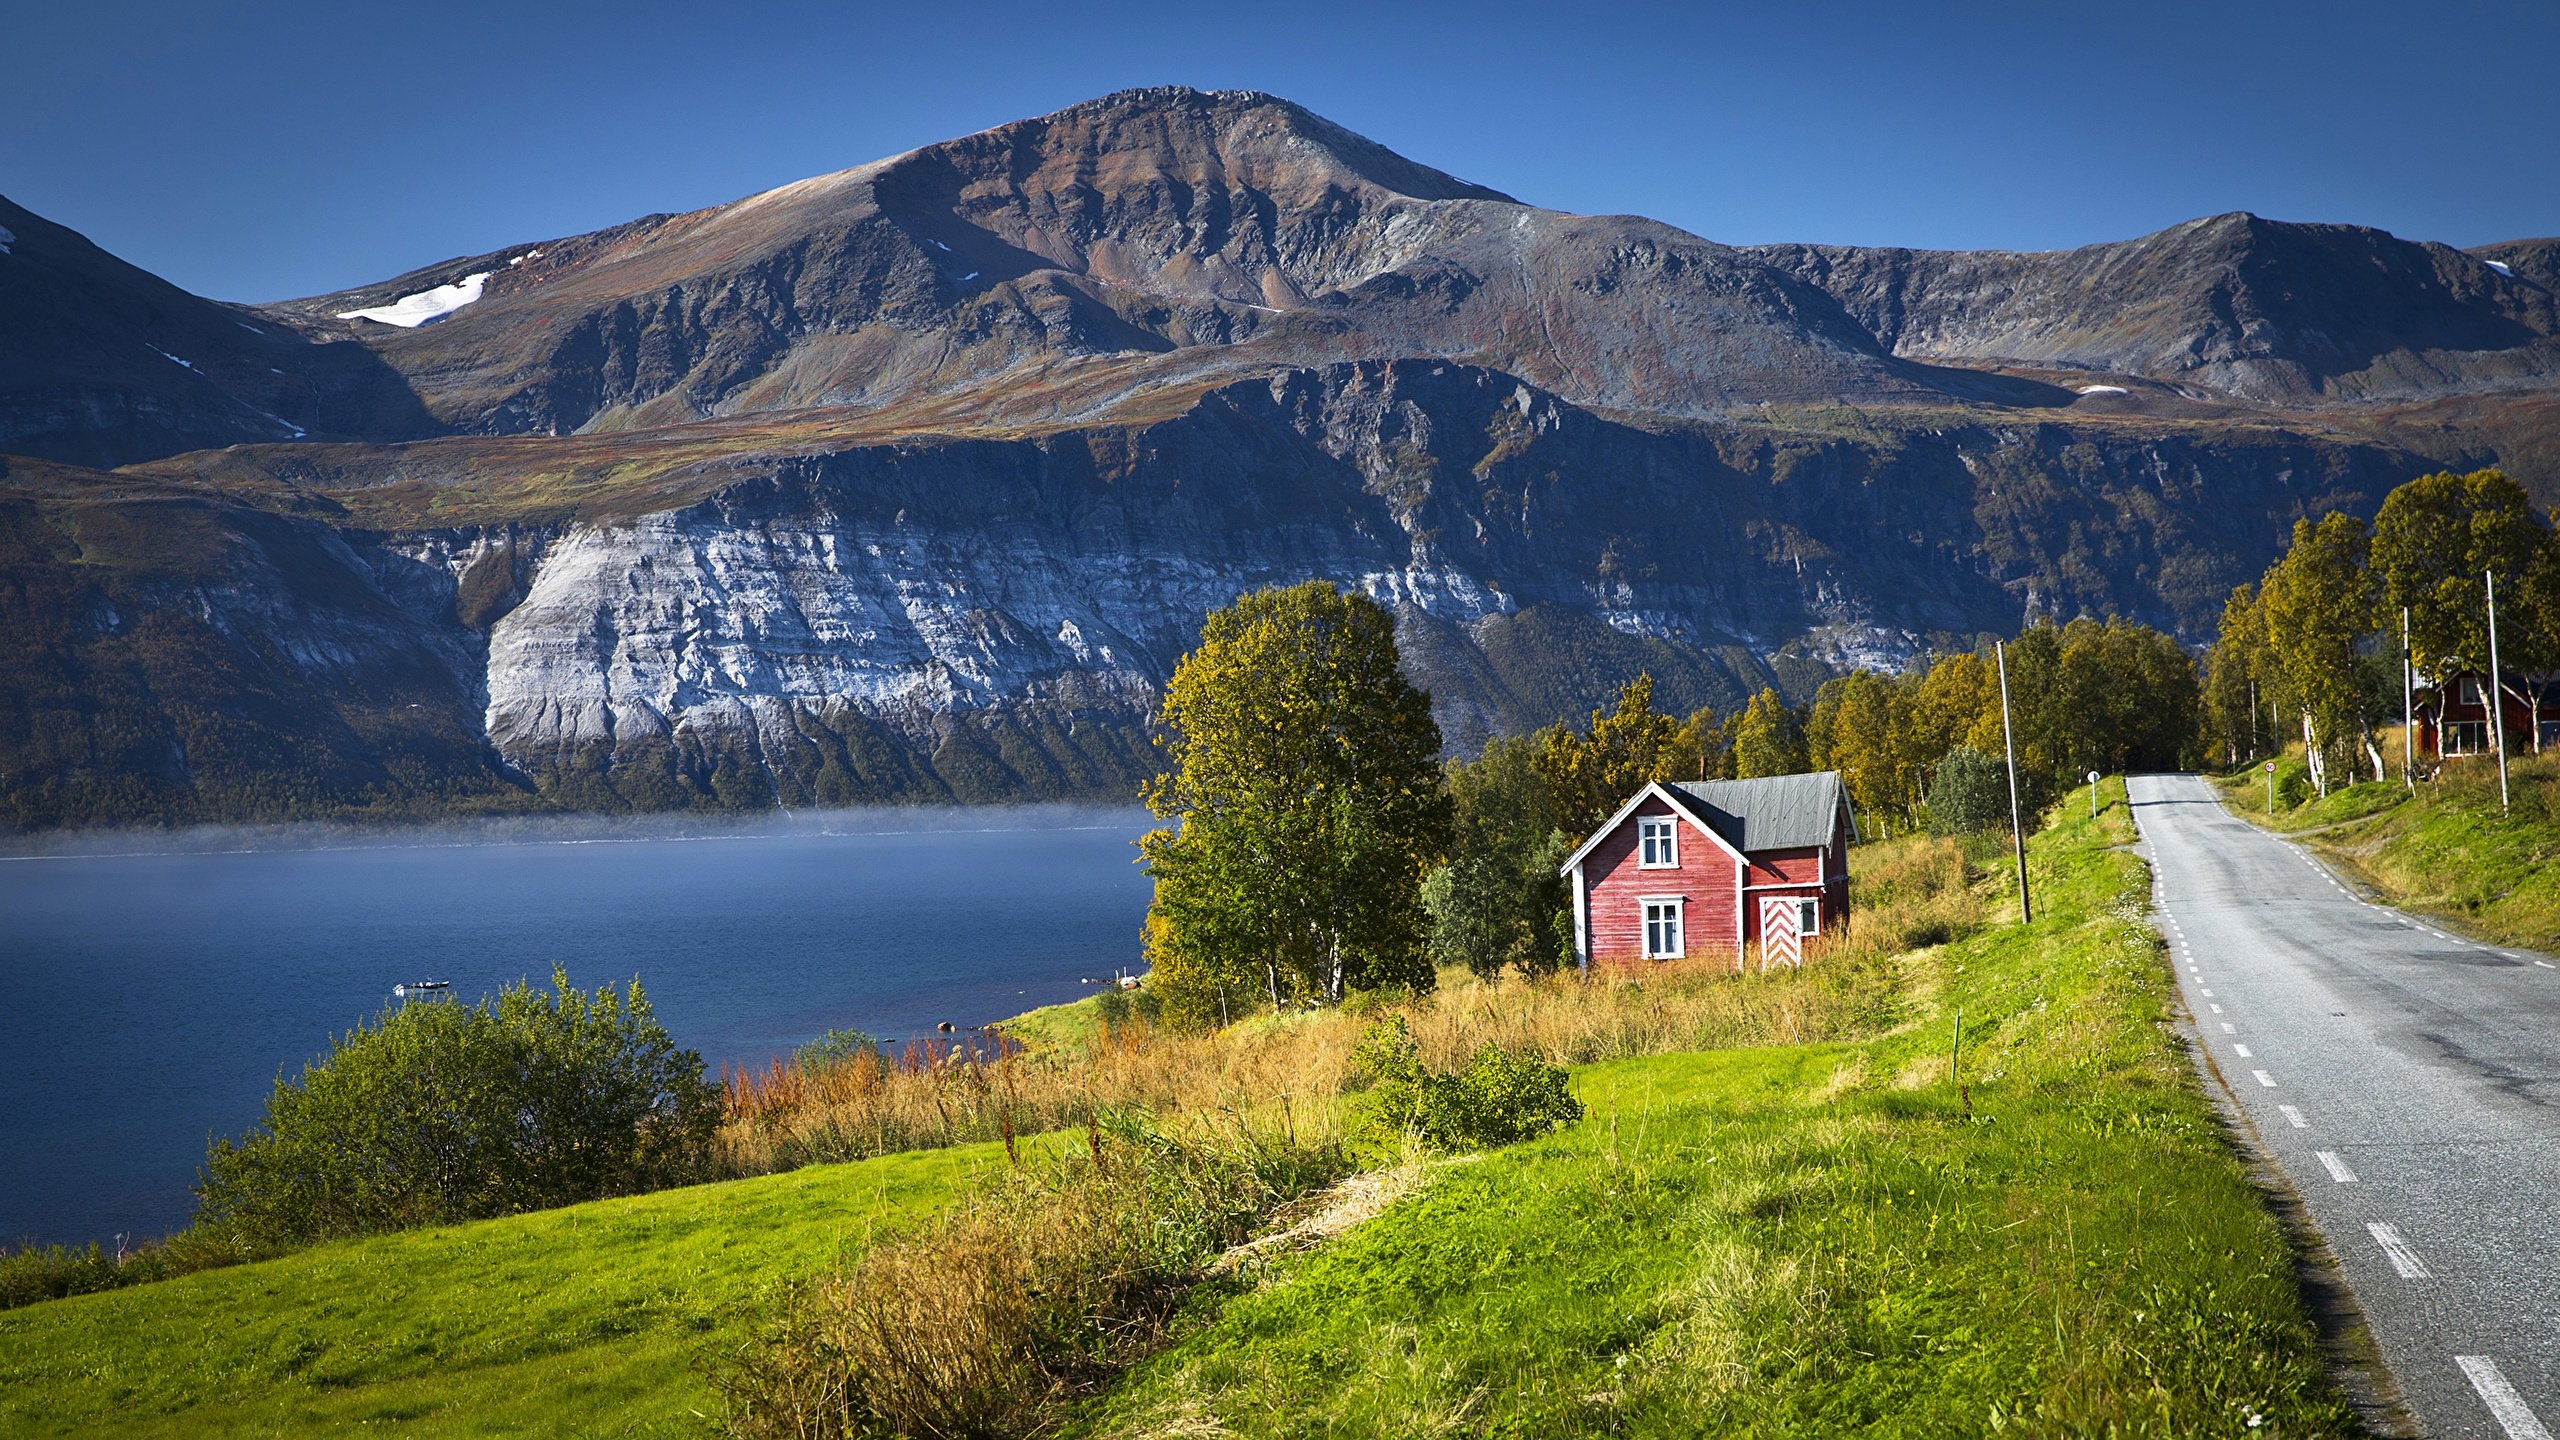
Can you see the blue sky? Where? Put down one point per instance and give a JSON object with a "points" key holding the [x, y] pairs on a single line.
{"points": [[254, 151]]}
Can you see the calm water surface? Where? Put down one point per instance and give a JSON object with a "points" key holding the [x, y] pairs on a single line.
{"points": [[148, 1002]]}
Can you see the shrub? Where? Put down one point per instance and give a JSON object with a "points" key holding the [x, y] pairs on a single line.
{"points": [[1502, 1097], [1969, 793], [51, 1272], [436, 1112], [836, 1047]]}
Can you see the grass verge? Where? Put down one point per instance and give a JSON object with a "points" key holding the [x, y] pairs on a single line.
{"points": [[2448, 850], [1816, 1239]]}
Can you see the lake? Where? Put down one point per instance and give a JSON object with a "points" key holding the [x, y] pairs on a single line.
{"points": [[147, 1002]]}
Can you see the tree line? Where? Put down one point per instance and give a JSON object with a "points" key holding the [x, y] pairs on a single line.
{"points": [[2313, 652], [1321, 847]]}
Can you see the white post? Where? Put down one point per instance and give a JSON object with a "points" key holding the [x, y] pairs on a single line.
{"points": [[2009, 747], [2497, 707], [1581, 926], [2408, 711]]}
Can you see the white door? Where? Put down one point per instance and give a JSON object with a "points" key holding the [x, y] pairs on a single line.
{"points": [[1779, 942]]}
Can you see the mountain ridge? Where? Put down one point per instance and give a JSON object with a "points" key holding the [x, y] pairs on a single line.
{"points": [[910, 482]]}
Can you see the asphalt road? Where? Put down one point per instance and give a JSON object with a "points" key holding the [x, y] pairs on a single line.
{"points": [[2407, 1082]]}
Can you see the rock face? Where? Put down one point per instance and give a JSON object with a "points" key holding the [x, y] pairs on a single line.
{"points": [[912, 482]]}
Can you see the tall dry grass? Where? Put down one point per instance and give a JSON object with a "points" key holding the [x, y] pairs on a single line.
{"points": [[1036, 1290], [1906, 894]]}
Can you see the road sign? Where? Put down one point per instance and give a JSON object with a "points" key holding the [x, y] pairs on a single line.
{"points": [[2271, 767]]}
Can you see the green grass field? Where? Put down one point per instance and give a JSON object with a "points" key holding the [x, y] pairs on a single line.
{"points": [[593, 1320], [2448, 850], [1817, 1240], [1801, 1240]]}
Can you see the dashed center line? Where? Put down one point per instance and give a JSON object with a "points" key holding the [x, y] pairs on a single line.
{"points": [[2206, 993], [2216, 1009], [2336, 1167], [2505, 1405], [2293, 1117], [2264, 1078], [2242, 1050], [2396, 1249]]}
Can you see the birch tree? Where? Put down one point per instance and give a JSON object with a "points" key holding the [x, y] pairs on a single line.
{"points": [[1309, 802]]}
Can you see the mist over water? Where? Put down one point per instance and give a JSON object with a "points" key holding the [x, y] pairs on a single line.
{"points": [[148, 1000]]}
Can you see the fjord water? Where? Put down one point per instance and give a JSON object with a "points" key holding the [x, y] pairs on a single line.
{"points": [[147, 1002]]}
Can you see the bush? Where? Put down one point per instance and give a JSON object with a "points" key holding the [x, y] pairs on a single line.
{"points": [[437, 1112], [1969, 793], [836, 1047], [51, 1272], [1502, 1097]]}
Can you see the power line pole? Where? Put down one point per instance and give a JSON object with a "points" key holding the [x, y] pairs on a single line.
{"points": [[2408, 710], [2009, 747], [2497, 710]]}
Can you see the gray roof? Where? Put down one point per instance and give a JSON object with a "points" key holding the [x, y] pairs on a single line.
{"points": [[1780, 812]]}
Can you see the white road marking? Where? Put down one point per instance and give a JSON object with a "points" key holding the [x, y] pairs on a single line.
{"points": [[2243, 1052], [2547, 965], [2293, 1117], [2264, 1078], [2505, 1405], [2227, 1028], [2216, 1009], [2396, 1249], [2206, 993], [2336, 1167]]}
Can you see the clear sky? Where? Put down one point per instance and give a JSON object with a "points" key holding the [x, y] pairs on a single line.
{"points": [[260, 149]]}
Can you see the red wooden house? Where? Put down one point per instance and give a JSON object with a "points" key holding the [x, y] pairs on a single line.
{"points": [[2453, 720], [1710, 867]]}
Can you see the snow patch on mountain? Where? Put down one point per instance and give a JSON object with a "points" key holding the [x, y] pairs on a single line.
{"points": [[426, 306]]}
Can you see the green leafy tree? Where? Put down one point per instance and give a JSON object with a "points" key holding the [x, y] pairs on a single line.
{"points": [[2317, 603], [437, 1112], [1767, 739], [2234, 716], [1310, 802], [2434, 540], [1589, 775]]}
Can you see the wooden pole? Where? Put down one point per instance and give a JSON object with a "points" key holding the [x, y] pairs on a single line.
{"points": [[2009, 747], [2497, 706]]}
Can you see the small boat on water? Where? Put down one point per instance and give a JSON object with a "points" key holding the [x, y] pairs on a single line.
{"points": [[419, 987]]}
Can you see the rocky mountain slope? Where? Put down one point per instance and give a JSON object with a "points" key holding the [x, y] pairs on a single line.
{"points": [[912, 481]]}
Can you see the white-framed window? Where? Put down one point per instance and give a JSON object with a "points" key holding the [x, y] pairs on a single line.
{"points": [[1663, 939], [1658, 843], [2466, 737], [2467, 690], [1808, 916]]}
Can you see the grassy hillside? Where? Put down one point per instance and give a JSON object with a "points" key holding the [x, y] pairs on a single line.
{"points": [[593, 1320], [1817, 1240], [2448, 850], [1799, 1239]]}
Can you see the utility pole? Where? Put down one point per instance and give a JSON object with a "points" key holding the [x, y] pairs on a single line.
{"points": [[2497, 707], [2009, 747]]}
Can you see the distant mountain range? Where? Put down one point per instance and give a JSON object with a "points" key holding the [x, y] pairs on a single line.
{"points": [[910, 482]]}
